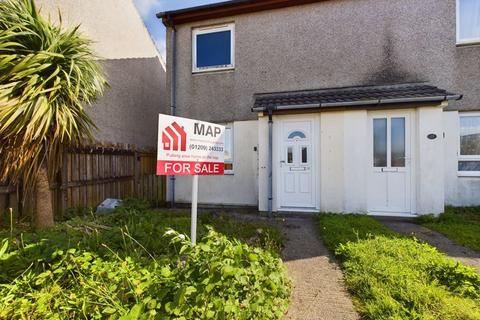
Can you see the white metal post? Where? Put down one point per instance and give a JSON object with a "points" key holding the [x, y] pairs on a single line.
{"points": [[194, 209]]}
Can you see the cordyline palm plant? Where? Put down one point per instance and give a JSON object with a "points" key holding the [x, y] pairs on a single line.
{"points": [[47, 76]]}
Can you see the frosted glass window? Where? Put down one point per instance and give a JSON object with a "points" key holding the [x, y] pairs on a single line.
{"points": [[290, 155], [297, 135], [304, 155], [379, 142], [398, 142]]}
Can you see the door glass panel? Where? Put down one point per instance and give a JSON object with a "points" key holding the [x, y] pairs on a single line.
{"points": [[379, 142], [290, 155], [398, 142], [304, 155], [297, 135], [469, 166]]}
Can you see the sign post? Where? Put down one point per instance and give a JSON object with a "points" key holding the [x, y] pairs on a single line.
{"points": [[193, 229], [190, 147]]}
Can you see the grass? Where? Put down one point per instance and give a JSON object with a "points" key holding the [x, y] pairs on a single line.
{"points": [[337, 229], [131, 264], [460, 224], [147, 227], [395, 277]]}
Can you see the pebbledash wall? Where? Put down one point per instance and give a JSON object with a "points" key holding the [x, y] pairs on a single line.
{"points": [[128, 112], [332, 44]]}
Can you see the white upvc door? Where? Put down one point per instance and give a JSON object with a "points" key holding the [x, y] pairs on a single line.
{"points": [[297, 183], [390, 164]]}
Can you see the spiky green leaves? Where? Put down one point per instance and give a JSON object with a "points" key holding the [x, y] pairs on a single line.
{"points": [[47, 76]]}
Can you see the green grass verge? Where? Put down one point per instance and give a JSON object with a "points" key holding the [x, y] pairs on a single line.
{"points": [[133, 265], [395, 277], [462, 225], [336, 229]]}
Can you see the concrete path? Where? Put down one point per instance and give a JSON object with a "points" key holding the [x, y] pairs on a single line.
{"points": [[318, 292], [455, 251]]}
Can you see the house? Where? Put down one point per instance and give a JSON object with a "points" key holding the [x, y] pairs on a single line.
{"points": [[367, 106], [127, 113]]}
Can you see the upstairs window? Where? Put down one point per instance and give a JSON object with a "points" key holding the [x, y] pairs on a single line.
{"points": [[468, 21], [213, 48], [469, 153]]}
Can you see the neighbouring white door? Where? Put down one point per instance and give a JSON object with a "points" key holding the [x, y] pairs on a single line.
{"points": [[297, 183], [390, 168]]}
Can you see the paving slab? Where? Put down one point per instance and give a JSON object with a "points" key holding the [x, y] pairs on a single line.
{"points": [[319, 291]]}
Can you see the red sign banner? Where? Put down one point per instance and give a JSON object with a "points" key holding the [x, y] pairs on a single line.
{"points": [[183, 168]]}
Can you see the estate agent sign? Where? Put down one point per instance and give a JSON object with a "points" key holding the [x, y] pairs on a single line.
{"points": [[190, 147]]}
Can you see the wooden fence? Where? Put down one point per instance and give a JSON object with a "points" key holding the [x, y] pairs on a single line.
{"points": [[90, 175]]}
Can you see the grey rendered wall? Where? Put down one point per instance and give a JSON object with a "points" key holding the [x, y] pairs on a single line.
{"points": [[330, 44], [114, 25], [128, 112]]}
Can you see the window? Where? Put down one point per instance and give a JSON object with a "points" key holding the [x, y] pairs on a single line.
{"points": [[389, 144], [469, 153], [297, 135], [229, 149], [290, 155], [304, 155], [213, 48], [468, 21], [379, 142], [398, 142]]}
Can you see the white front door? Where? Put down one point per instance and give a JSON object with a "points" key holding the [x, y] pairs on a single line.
{"points": [[389, 182], [297, 183]]}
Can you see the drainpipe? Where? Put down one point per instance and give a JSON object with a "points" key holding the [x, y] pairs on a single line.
{"points": [[173, 107], [270, 161]]}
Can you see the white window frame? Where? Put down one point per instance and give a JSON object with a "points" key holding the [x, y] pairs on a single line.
{"points": [[211, 29], [466, 157], [463, 41], [232, 144]]}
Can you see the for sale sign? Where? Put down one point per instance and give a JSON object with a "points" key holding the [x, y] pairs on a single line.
{"points": [[189, 147]]}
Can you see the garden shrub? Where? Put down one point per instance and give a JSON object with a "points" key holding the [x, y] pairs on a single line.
{"points": [[218, 279]]}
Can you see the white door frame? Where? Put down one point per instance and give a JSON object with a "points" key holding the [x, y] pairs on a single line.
{"points": [[278, 149], [410, 138]]}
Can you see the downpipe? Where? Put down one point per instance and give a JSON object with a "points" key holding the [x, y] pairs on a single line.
{"points": [[270, 162]]}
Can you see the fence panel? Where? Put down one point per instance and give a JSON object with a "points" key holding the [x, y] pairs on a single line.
{"points": [[90, 175], [150, 186]]}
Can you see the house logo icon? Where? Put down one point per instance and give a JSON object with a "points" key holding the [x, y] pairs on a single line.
{"points": [[174, 138]]}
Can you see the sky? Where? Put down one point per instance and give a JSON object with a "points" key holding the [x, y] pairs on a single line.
{"points": [[149, 8]]}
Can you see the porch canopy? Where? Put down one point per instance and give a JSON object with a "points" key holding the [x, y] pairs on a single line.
{"points": [[351, 97]]}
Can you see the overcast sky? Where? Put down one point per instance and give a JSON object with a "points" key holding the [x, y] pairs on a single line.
{"points": [[149, 8]]}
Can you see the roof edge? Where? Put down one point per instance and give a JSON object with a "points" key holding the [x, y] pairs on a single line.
{"points": [[292, 100], [224, 9]]}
